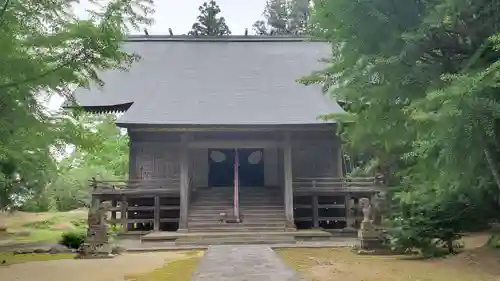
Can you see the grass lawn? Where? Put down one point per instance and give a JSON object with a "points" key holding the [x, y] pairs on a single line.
{"points": [[476, 263], [9, 258], [25, 227], [178, 270]]}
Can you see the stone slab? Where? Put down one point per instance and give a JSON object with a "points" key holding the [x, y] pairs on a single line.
{"points": [[243, 263]]}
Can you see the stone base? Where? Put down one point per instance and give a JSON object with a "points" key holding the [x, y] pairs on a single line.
{"points": [[369, 237], [290, 226], [370, 244], [95, 256]]}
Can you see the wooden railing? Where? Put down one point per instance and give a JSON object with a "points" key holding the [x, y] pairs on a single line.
{"points": [[318, 184], [135, 185]]}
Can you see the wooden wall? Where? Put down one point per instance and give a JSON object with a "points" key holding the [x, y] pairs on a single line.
{"points": [[156, 155], [316, 159], [150, 160]]}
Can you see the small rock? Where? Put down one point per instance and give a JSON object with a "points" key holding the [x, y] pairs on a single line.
{"points": [[23, 252], [117, 250], [57, 249]]}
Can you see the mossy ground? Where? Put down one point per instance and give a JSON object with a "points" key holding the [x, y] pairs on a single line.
{"points": [[476, 263], [23, 227], [178, 270], [7, 259]]}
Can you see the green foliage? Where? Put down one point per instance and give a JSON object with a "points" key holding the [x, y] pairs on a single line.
{"points": [[72, 240], [494, 241], [284, 17], [430, 216], [80, 223], [44, 224], [209, 24], [46, 50], [38, 200], [106, 160], [419, 80]]}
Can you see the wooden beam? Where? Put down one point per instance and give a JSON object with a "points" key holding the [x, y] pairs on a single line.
{"points": [[113, 210], [156, 225], [241, 128], [234, 144], [184, 182], [287, 160], [315, 211], [349, 212], [123, 213]]}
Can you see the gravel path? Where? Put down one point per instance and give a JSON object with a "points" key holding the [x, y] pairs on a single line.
{"points": [[243, 263], [86, 270]]}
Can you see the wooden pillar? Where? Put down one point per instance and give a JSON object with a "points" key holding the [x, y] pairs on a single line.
{"points": [[123, 213], [156, 225], [184, 182], [132, 162], [113, 212], [287, 161], [315, 211], [350, 215], [340, 159]]}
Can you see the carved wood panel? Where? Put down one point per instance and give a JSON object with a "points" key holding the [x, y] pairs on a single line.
{"points": [[314, 159], [156, 160]]}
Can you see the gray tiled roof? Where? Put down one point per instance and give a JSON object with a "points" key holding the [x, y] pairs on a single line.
{"points": [[216, 82]]}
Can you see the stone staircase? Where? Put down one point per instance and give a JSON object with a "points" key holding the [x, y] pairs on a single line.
{"points": [[262, 212], [261, 208]]}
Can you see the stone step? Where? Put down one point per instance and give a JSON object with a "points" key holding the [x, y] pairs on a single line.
{"points": [[280, 217], [245, 192], [245, 224], [246, 213], [208, 217], [235, 240], [218, 228], [242, 207], [250, 203]]}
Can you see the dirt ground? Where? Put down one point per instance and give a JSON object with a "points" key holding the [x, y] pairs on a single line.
{"points": [[476, 263], [96, 270]]}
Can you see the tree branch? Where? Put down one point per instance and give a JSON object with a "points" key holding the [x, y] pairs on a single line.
{"points": [[44, 74], [2, 13]]}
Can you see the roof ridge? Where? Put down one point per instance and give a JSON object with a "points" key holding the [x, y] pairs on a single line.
{"points": [[226, 38]]}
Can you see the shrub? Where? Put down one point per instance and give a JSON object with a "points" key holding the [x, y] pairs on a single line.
{"points": [[72, 240], [494, 241], [431, 218], [80, 224]]}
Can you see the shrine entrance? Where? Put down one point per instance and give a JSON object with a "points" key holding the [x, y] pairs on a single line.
{"points": [[222, 170]]}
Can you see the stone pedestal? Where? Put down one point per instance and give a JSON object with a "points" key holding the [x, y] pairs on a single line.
{"points": [[290, 226], [369, 236], [96, 243]]}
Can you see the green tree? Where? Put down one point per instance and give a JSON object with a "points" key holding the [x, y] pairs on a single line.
{"points": [[284, 17], [419, 78], [209, 23], [107, 159], [46, 50]]}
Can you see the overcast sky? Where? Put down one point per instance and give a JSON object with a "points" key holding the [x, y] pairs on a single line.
{"points": [[181, 14]]}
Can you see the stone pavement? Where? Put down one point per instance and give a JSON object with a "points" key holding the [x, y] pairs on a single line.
{"points": [[243, 263], [135, 245]]}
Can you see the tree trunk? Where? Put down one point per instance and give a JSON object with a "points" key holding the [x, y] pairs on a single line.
{"points": [[449, 245], [492, 166]]}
